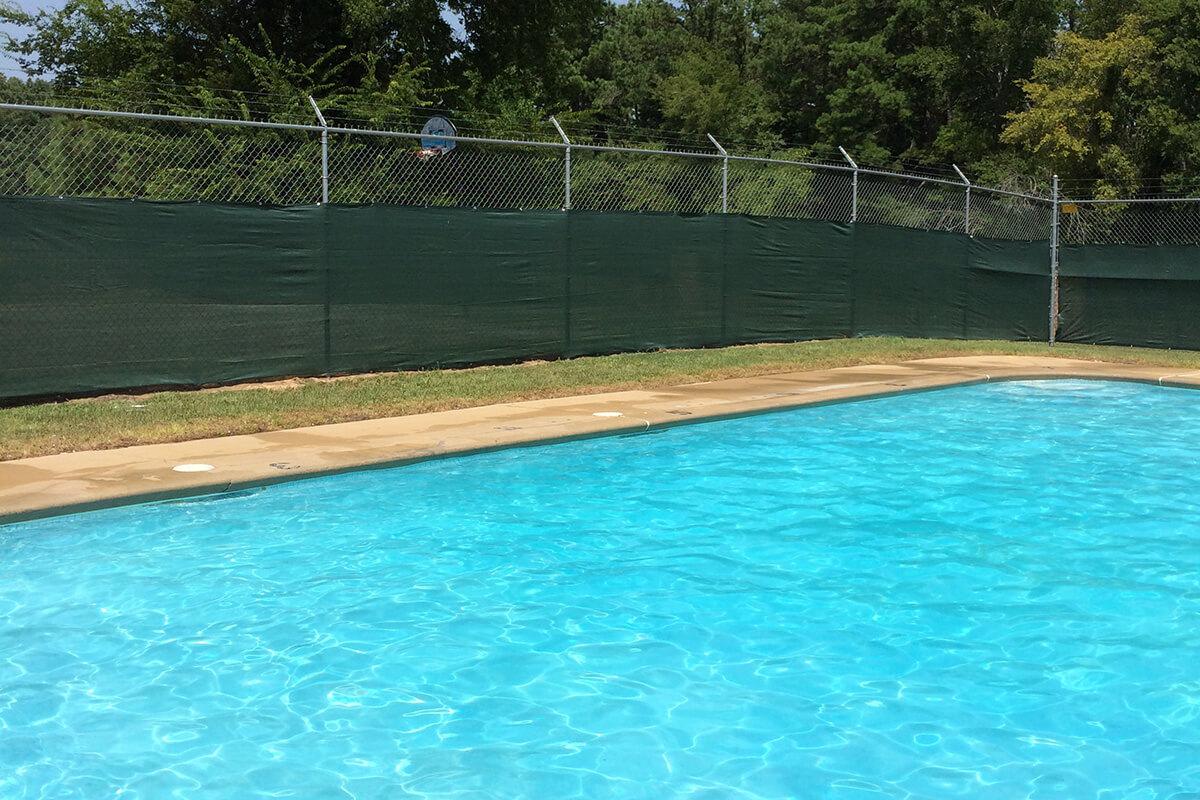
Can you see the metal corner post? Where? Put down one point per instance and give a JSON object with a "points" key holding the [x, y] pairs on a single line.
{"points": [[1054, 217], [566, 162], [324, 151], [967, 208], [853, 184], [724, 174]]}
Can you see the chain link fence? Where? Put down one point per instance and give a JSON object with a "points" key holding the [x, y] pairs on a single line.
{"points": [[1146, 222], [74, 152], [911, 202], [632, 180], [388, 170], [70, 156], [1001, 214], [780, 188], [79, 152]]}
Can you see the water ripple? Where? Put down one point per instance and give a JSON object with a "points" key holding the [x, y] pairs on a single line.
{"points": [[985, 592]]}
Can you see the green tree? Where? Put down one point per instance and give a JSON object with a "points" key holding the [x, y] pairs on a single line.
{"points": [[925, 79], [534, 46], [1085, 102], [208, 43], [729, 26], [637, 47], [707, 93]]}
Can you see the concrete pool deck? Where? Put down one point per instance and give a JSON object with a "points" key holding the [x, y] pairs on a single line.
{"points": [[67, 482]]}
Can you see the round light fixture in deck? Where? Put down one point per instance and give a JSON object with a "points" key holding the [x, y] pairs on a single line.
{"points": [[193, 468]]}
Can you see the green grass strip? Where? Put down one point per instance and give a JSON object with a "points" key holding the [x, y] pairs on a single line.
{"points": [[120, 420]]}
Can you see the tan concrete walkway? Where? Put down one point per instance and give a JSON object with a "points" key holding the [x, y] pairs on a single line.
{"points": [[48, 485]]}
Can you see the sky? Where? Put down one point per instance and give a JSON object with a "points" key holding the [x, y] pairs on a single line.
{"points": [[9, 67]]}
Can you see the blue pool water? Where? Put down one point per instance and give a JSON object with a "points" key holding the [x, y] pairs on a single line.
{"points": [[983, 592]]}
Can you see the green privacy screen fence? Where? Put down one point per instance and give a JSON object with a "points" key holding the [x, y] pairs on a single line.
{"points": [[1130, 270], [110, 294], [270, 246], [1144, 295]]}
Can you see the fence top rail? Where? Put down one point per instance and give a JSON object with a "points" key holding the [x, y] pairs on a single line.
{"points": [[909, 177], [1131, 201], [246, 123], [141, 115], [291, 126], [523, 143], [791, 163], [1010, 193], [885, 173]]}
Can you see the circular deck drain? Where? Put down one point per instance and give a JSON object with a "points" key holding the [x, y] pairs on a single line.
{"points": [[193, 468]]}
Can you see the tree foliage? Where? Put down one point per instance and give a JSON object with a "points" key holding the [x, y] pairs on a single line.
{"points": [[1085, 100], [1100, 88]]}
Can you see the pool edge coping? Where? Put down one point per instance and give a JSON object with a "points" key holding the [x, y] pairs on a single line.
{"points": [[77, 482]]}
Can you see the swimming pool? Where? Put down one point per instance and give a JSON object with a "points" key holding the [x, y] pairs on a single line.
{"points": [[986, 592]]}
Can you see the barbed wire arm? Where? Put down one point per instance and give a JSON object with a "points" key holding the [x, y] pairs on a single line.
{"points": [[566, 162], [324, 150], [853, 184], [724, 173], [967, 209]]}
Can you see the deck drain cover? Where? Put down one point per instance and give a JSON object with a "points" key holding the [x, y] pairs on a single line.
{"points": [[608, 414], [193, 468]]}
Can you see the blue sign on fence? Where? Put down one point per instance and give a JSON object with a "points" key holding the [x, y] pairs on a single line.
{"points": [[436, 128]]}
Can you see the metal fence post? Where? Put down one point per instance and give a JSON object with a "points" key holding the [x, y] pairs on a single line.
{"points": [[1054, 264], [967, 208], [724, 174], [853, 185], [567, 162], [324, 151]]}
